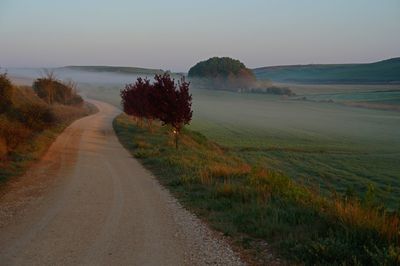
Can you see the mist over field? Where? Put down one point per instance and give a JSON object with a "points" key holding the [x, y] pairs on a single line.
{"points": [[337, 139], [65, 73], [315, 113], [241, 132], [314, 134]]}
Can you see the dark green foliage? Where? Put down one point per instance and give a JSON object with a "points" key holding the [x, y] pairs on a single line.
{"points": [[222, 72], [217, 66]]}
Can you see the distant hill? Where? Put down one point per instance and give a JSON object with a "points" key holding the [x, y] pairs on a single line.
{"points": [[386, 71], [117, 69]]}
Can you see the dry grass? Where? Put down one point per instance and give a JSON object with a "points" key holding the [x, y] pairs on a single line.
{"points": [[353, 214], [245, 200], [205, 177], [223, 170], [142, 144]]}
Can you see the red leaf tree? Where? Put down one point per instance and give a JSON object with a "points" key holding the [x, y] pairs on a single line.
{"points": [[174, 106], [166, 100], [136, 100]]}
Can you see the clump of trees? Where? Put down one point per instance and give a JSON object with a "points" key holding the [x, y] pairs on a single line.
{"points": [[52, 90], [165, 100], [222, 73]]}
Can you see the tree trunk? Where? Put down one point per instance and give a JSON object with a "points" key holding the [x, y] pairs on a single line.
{"points": [[150, 124], [176, 132]]}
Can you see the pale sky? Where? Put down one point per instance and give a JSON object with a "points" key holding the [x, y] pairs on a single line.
{"points": [[176, 34]]}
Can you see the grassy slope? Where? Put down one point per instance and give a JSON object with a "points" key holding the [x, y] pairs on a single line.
{"points": [[256, 206], [386, 71], [333, 146], [336, 147], [32, 149]]}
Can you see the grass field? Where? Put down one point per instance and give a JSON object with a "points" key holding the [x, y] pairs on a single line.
{"points": [[329, 145], [334, 146], [263, 211]]}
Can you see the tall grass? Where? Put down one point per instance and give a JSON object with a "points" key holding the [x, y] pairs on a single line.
{"points": [[255, 205]]}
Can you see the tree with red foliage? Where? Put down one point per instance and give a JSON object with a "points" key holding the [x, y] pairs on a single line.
{"points": [[136, 100], [173, 103], [165, 100]]}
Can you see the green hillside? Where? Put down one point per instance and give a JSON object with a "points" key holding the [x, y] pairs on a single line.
{"points": [[117, 69], [386, 71]]}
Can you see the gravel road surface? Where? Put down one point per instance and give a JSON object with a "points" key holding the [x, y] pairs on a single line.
{"points": [[88, 202]]}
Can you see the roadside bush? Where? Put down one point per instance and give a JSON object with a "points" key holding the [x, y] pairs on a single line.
{"points": [[3, 147], [272, 90], [74, 99], [52, 90], [6, 93], [13, 132], [36, 116]]}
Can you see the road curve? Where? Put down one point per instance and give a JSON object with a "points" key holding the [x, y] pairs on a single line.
{"points": [[88, 202]]}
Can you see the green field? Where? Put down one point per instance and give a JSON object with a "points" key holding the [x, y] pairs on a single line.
{"points": [[255, 206], [334, 146], [329, 145]]}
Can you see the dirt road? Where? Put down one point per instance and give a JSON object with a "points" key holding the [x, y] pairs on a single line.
{"points": [[88, 202]]}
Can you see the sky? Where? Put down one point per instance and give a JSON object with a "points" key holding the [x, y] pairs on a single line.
{"points": [[176, 34]]}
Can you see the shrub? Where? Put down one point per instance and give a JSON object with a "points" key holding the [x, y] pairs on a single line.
{"points": [[52, 90], [36, 116], [3, 147], [6, 93], [13, 132], [136, 99]]}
